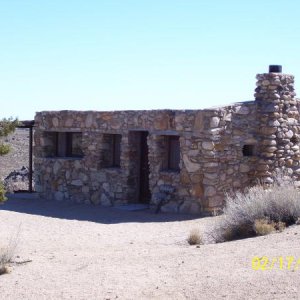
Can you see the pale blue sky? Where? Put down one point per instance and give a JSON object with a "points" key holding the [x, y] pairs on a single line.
{"points": [[114, 55]]}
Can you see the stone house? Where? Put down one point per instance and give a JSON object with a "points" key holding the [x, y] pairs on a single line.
{"points": [[175, 160]]}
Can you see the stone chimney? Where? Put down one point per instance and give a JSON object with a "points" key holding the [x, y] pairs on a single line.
{"points": [[278, 125]]}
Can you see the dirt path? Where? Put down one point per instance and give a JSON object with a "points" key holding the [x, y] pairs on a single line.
{"points": [[86, 252]]}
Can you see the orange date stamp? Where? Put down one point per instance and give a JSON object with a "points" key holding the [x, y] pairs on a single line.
{"points": [[265, 263]]}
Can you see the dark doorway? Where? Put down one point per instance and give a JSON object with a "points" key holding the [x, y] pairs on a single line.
{"points": [[144, 191]]}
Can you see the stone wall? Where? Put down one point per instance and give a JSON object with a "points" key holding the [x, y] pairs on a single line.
{"points": [[221, 150], [211, 157], [278, 133]]}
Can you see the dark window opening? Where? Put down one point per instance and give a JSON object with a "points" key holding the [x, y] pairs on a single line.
{"points": [[112, 150], [63, 144], [172, 158], [68, 144], [248, 150]]}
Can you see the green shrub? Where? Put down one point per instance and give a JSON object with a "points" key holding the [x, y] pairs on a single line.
{"points": [[279, 203], [4, 149], [2, 193], [8, 126]]}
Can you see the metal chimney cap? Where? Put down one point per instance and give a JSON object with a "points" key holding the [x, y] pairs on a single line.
{"points": [[275, 69]]}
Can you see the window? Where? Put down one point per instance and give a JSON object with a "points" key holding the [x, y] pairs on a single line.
{"points": [[112, 150], [248, 150], [65, 144], [172, 157]]}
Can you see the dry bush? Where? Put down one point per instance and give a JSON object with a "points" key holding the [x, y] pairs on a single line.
{"points": [[4, 269], [264, 226], [223, 230], [195, 237], [279, 203], [280, 226], [7, 253]]}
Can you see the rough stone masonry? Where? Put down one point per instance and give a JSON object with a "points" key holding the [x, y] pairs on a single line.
{"points": [[174, 160]]}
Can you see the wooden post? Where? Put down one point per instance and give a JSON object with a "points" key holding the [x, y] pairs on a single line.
{"points": [[30, 159]]}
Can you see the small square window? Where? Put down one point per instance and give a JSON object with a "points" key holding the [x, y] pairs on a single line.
{"points": [[69, 144], [248, 150], [74, 144], [63, 144]]}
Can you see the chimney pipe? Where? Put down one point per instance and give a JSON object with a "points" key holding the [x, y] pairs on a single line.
{"points": [[275, 69]]}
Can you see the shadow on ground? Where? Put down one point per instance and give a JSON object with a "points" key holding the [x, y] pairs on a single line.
{"points": [[84, 212]]}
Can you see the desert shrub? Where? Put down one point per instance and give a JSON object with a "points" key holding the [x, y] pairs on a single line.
{"points": [[7, 253], [8, 126], [264, 226], [4, 269], [4, 149], [195, 237], [2, 193], [280, 226], [279, 203]]}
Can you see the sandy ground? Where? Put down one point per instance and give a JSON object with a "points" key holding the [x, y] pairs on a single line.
{"points": [[86, 252]]}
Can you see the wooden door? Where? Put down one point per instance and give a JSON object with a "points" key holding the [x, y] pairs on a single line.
{"points": [[144, 193]]}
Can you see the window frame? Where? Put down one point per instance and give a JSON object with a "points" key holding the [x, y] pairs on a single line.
{"points": [[116, 150], [114, 141], [64, 144], [249, 150], [171, 161]]}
